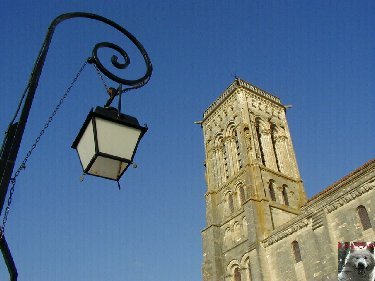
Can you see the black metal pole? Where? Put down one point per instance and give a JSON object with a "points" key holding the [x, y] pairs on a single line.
{"points": [[7, 161], [13, 274], [6, 167], [14, 135]]}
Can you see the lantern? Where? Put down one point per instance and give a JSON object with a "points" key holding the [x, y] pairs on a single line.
{"points": [[107, 142]]}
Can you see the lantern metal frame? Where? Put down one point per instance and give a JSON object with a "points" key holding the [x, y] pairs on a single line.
{"points": [[112, 115]]}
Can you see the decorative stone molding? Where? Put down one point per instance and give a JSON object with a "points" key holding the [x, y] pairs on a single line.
{"points": [[225, 103], [252, 247], [260, 104], [238, 83], [280, 235], [317, 219], [265, 130], [350, 196], [280, 138], [258, 91]]}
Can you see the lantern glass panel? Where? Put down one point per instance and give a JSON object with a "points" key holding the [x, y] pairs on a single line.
{"points": [[116, 139], [107, 168], [86, 146]]}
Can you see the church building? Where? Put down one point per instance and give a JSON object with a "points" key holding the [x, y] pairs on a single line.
{"points": [[260, 225]]}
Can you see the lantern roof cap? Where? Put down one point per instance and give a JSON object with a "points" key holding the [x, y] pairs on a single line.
{"points": [[111, 114]]}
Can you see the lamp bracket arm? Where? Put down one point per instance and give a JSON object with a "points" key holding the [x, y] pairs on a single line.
{"points": [[133, 84]]}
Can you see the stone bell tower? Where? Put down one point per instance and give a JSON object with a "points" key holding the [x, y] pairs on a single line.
{"points": [[253, 182]]}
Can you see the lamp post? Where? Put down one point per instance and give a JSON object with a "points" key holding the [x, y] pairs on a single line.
{"points": [[98, 156]]}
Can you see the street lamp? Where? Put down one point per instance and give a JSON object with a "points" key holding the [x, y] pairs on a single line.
{"points": [[108, 140]]}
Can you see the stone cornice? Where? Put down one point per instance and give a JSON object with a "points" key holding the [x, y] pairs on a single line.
{"points": [[209, 226], [303, 220], [286, 230], [210, 193], [329, 200], [255, 89], [235, 246], [348, 179], [252, 246], [262, 167], [239, 83], [232, 179], [342, 200]]}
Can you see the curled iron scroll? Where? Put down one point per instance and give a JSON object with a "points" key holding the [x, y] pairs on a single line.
{"points": [[137, 83], [132, 84]]}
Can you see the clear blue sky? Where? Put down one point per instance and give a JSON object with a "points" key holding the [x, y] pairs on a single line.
{"points": [[316, 55]]}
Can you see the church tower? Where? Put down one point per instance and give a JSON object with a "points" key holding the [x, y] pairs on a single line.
{"points": [[253, 181]]}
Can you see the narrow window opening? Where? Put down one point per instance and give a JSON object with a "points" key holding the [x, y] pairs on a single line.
{"points": [[230, 203], [272, 191], [237, 274], [273, 137], [296, 252], [285, 195], [364, 218], [260, 145], [242, 195]]}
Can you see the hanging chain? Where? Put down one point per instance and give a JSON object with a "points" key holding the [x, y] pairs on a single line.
{"points": [[101, 77], [23, 164]]}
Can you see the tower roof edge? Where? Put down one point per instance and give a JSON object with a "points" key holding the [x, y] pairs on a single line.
{"points": [[236, 84]]}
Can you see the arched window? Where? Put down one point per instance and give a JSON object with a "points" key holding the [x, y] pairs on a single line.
{"points": [[296, 252], [285, 195], [230, 202], [244, 227], [363, 217], [227, 237], [237, 274], [241, 193], [237, 231], [272, 191]]}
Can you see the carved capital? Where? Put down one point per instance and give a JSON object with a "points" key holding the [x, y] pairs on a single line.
{"points": [[265, 132], [264, 127], [280, 138]]}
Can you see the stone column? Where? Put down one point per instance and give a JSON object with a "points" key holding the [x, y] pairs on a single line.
{"points": [[267, 146], [282, 151], [257, 143]]}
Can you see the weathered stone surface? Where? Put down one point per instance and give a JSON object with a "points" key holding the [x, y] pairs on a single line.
{"points": [[256, 206]]}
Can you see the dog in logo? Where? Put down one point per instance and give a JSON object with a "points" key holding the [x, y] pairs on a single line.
{"points": [[359, 264]]}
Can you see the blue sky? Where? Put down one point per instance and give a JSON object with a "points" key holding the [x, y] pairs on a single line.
{"points": [[316, 55]]}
